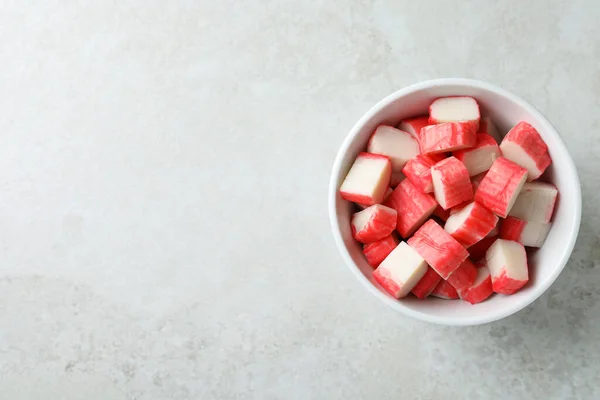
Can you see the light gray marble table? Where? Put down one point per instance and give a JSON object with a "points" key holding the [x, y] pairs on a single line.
{"points": [[164, 168]]}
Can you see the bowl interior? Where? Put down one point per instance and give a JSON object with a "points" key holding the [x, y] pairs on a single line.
{"points": [[505, 110]]}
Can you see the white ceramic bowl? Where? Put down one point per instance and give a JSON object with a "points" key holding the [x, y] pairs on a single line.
{"points": [[506, 109]]}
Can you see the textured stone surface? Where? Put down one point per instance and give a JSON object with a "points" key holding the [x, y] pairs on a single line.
{"points": [[164, 168]]}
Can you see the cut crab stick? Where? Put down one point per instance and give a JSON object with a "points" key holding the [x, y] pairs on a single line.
{"points": [[450, 136], [528, 233], [451, 183], [471, 224], [367, 179], [524, 146], [397, 145], [373, 223], [400, 271], [535, 202], [455, 109], [441, 251], [500, 187], [413, 207], [507, 262], [479, 158]]}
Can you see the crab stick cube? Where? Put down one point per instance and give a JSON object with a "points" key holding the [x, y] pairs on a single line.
{"points": [[451, 183], [373, 223], [524, 146], [400, 271], [367, 180], [471, 224], [412, 206], [507, 262], [441, 251], [455, 109], [500, 187], [397, 145], [450, 136]]}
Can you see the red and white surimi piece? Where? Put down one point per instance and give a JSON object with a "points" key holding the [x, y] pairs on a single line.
{"points": [[377, 251], [400, 271], [451, 183], [507, 262], [367, 180], [450, 136], [500, 187], [444, 290], [385, 196], [471, 224], [397, 145], [535, 202], [441, 251], [418, 170], [413, 207], [487, 126], [524, 146], [463, 276], [373, 223], [413, 125], [427, 283], [528, 233], [479, 158], [478, 250], [455, 109], [480, 289]]}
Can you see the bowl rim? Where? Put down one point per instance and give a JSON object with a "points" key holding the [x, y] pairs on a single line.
{"points": [[397, 305]]}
